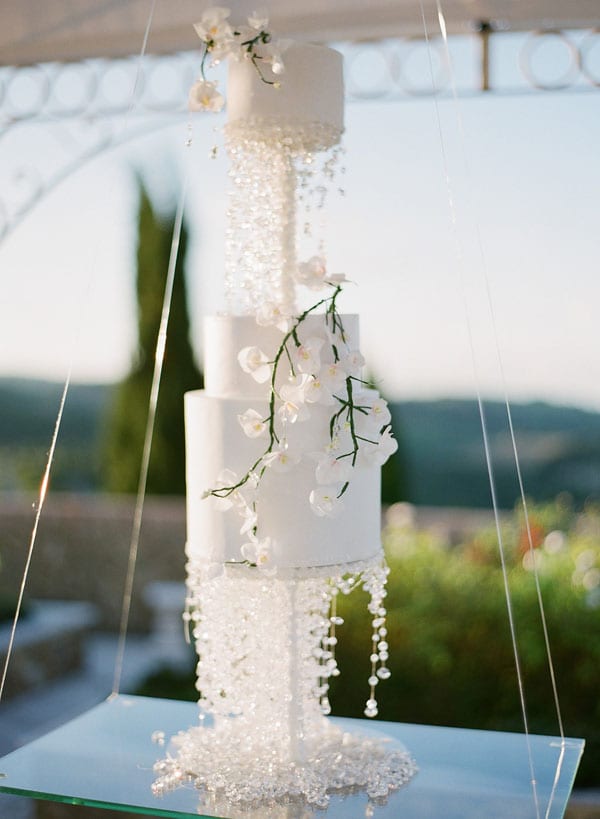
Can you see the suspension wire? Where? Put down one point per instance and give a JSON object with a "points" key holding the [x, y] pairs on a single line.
{"points": [[43, 492], [38, 513], [500, 363], [515, 452], [480, 404], [159, 356]]}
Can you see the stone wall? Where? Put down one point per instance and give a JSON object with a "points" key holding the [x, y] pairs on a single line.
{"points": [[82, 550]]}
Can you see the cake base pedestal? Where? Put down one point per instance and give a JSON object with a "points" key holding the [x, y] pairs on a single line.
{"points": [[105, 758]]}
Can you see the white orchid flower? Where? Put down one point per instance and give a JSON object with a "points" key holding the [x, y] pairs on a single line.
{"points": [[205, 97], [278, 49], [281, 460], [312, 273], [272, 53], [257, 551], [377, 454], [253, 424], [307, 357], [225, 479], [353, 363], [213, 29], [333, 470], [270, 314], [316, 393], [252, 360], [324, 501], [293, 400], [333, 376], [380, 413]]}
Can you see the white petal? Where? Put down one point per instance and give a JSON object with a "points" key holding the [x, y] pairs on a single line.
{"points": [[324, 501], [252, 360], [249, 551], [332, 470], [281, 460], [259, 19], [353, 362]]}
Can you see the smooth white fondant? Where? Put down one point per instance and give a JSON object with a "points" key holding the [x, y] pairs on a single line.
{"points": [[215, 441], [311, 91], [225, 336]]}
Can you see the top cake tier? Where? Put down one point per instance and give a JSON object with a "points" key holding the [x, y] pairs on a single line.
{"points": [[225, 336], [310, 97]]}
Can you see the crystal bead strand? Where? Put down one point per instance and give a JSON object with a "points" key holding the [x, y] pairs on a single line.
{"points": [[374, 582]]}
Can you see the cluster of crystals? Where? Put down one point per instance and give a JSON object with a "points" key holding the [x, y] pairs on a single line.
{"points": [[267, 162], [220, 39], [263, 690], [295, 614], [237, 778], [251, 671], [323, 370]]}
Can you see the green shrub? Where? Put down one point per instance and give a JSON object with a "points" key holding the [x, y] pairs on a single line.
{"points": [[451, 655]]}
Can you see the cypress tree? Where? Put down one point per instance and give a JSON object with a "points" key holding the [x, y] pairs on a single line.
{"points": [[128, 415]]}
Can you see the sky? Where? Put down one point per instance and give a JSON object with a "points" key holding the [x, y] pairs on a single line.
{"points": [[474, 260]]}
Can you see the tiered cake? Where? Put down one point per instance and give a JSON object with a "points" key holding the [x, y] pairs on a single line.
{"points": [[215, 441], [284, 452]]}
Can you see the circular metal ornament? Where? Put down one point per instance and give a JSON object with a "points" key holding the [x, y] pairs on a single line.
{"points": [[429, 53], [532, 49], [368, 72], [27, 92], [590, 43]]}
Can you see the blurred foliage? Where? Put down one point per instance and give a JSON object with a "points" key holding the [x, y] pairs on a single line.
{"points": [[169, 683], [127, 422], [451, 654]]}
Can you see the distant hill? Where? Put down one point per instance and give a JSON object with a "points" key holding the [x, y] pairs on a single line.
{"points": [[28, 410], [440, 444]]}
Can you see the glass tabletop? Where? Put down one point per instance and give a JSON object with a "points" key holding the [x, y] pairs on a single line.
{"points": [[105, 758]]}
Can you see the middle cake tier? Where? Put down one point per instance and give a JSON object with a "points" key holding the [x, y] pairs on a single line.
{"points": [[299, 537]]}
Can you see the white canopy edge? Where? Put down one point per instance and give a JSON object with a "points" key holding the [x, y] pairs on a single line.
{"points": [[65, 30]]}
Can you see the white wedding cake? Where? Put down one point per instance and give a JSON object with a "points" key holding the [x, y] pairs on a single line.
{"points": [[215, 441], [284, 449]]}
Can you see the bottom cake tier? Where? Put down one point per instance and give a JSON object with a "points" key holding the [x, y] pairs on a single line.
{"points": [[298, 536]]}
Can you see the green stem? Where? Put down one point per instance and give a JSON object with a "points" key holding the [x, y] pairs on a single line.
{"points": [[202, 63], [351, 420], [226, 491]]}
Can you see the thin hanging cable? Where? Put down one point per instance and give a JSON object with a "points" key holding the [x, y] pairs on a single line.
{"points": [[500, 362], [50, 459], [482, 416], [38, 513], [141, 56], [159, 356]]}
